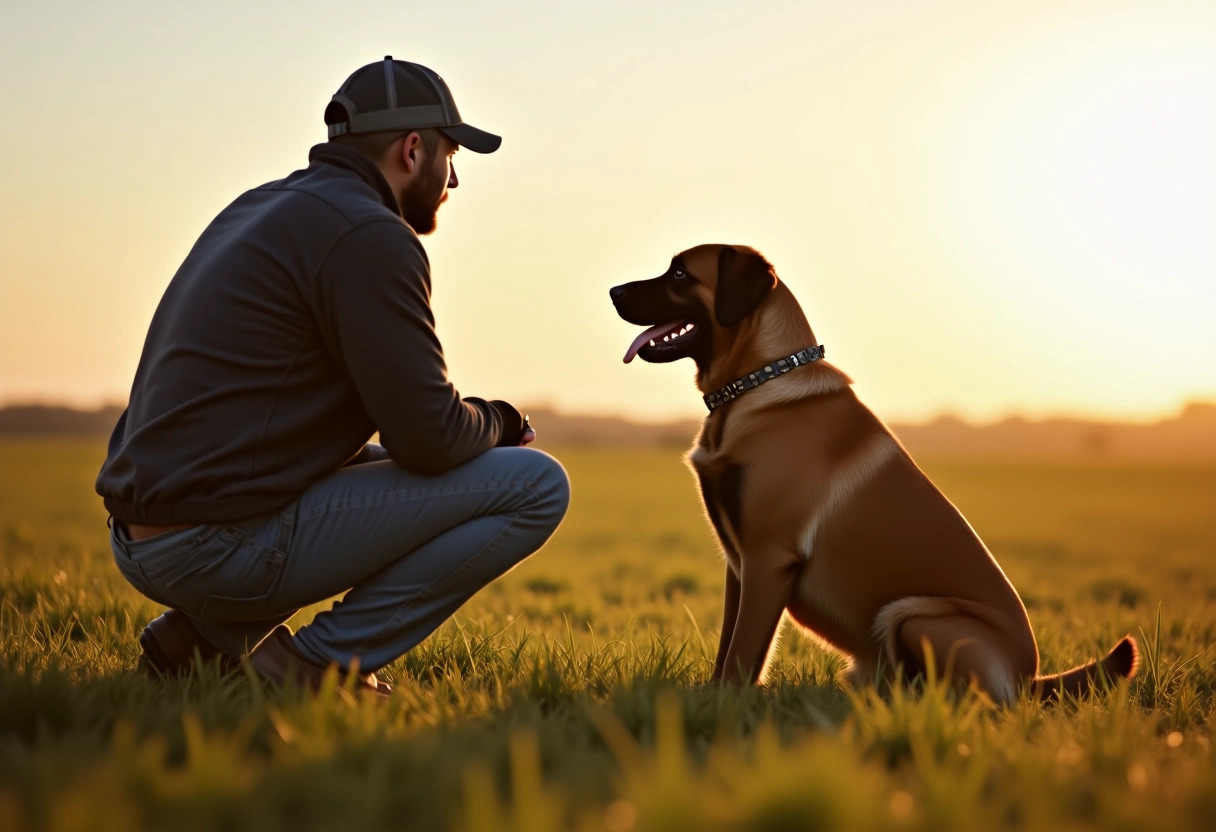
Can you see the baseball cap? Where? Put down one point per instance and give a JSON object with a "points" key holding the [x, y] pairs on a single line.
{"points": [[399, 95]]}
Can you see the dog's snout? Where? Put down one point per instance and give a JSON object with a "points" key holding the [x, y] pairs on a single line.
{"points": [[616, 292]]}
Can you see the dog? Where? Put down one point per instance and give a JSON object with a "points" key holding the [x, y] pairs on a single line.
{"points": [[820, 511]]}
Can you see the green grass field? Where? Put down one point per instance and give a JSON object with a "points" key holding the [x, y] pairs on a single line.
{"points": [[571, 695]]}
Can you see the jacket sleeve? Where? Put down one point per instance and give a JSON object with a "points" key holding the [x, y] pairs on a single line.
{"points": [[375, 294]]}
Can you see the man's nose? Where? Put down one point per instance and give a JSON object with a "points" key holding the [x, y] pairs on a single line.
{"points": [[452, 180], [616, 292]]}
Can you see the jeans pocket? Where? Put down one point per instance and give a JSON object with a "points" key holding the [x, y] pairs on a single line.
{"points": [[169, 552], [228, 576]]}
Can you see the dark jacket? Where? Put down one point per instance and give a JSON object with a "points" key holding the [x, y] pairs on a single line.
{"points": [[299, 324]]}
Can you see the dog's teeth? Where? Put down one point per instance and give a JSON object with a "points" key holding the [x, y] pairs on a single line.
{"points": [[652, 342]]}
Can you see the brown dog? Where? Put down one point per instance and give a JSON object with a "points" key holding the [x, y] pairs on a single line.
{"points": [[819, 509]]}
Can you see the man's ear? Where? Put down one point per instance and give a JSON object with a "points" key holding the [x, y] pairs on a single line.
{"points": [[744, 280], [411, 152]]}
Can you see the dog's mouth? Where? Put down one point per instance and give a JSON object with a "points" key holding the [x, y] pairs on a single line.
{"points": [[661, 339]]}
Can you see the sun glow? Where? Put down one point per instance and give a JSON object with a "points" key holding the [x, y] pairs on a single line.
{"points": [[1085, 178]]}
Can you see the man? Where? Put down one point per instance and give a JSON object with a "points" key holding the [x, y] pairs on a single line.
{"points": [[239, 480]]}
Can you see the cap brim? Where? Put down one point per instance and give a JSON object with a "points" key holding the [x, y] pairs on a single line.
{"points": [[478, 141]]}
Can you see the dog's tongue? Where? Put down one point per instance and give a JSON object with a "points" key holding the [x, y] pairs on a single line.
{"points": [[644, 339]]}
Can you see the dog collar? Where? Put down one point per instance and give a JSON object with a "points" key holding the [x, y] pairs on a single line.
{"points": [[769, 372]]}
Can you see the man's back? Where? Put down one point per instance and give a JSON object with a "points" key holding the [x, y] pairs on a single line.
{"points": [[247, 390]]}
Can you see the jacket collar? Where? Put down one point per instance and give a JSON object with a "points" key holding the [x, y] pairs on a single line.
{"points": [[339, 155]]}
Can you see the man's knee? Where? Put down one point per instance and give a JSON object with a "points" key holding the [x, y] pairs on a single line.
{"points": [[553, 485], [541, 487]]}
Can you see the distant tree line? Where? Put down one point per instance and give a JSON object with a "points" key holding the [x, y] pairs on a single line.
{"points": [[1190, 436], [46, 420]]}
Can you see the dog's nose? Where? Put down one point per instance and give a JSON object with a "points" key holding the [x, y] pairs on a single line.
{"points": [[616, 292]]}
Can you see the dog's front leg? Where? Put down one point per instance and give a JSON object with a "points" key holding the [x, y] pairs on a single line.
{"points": [[767, 580], [730, 613]]}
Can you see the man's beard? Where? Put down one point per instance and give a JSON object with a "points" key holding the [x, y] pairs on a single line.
{"points": [[420, 202]]}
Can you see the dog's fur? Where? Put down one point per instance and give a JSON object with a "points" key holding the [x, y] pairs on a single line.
{"points": [[821, 512]]}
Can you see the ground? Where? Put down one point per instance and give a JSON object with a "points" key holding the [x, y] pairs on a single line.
{"points": [[572, 695]]}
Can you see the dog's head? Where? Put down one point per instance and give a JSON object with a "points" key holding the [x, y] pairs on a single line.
{"points": [[695, 308]]}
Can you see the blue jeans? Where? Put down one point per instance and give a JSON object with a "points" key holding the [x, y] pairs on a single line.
{"points": [[407, 549]]}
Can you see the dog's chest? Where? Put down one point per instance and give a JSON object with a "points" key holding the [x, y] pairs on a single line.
{"points": [[721, 482]]}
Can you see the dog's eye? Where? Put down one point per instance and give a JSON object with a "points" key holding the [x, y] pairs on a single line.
{"points": [[679, 273]]}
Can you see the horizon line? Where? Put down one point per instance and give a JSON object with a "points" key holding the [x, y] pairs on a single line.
{"points": [[942, 415]]}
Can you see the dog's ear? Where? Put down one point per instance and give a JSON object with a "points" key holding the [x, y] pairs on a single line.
{"points": [[744, 280]]}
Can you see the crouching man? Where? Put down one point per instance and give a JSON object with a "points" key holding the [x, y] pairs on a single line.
{"points": [[240, 482]]}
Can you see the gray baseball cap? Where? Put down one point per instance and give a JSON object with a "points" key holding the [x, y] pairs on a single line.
{"points": [[399, 95]]}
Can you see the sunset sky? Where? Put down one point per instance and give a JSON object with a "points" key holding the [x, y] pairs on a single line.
{"points": [[984, 208]]}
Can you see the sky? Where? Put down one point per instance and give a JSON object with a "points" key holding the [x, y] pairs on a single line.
{"points": [[985, 209]]}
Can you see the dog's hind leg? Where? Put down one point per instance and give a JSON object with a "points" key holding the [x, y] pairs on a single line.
{"points": [[964, 650], [862, 674], [963, 647]]}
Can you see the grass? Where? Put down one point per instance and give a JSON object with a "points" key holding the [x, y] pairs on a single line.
{"points": [[571, 695]]}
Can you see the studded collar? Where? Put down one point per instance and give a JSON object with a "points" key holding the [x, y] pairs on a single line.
{"points": [[768, 372]]}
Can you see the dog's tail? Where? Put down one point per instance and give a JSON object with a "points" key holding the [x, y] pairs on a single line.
{"points": [[1120, 663]]}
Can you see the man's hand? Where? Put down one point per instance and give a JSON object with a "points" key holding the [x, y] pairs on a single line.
{"points": [[515, 428]]}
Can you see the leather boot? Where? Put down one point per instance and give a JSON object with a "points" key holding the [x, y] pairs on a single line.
{"points": [[170, 644], [276, 660]]}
